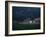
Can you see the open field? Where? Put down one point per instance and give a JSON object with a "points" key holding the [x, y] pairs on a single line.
{"points": [[25, 26]]}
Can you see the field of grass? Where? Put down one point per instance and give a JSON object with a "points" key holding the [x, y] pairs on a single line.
{"points": [[25, 26]]}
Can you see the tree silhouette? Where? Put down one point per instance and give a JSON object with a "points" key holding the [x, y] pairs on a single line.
{"points": [[32, 16]]}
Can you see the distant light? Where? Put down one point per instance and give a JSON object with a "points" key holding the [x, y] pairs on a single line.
{"points": [[30, 22]]}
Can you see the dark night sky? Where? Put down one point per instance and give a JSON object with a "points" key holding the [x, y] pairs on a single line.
{"points": [[21, 13]]}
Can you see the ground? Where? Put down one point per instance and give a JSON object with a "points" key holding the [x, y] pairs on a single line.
{"points": [[25, 26]]}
